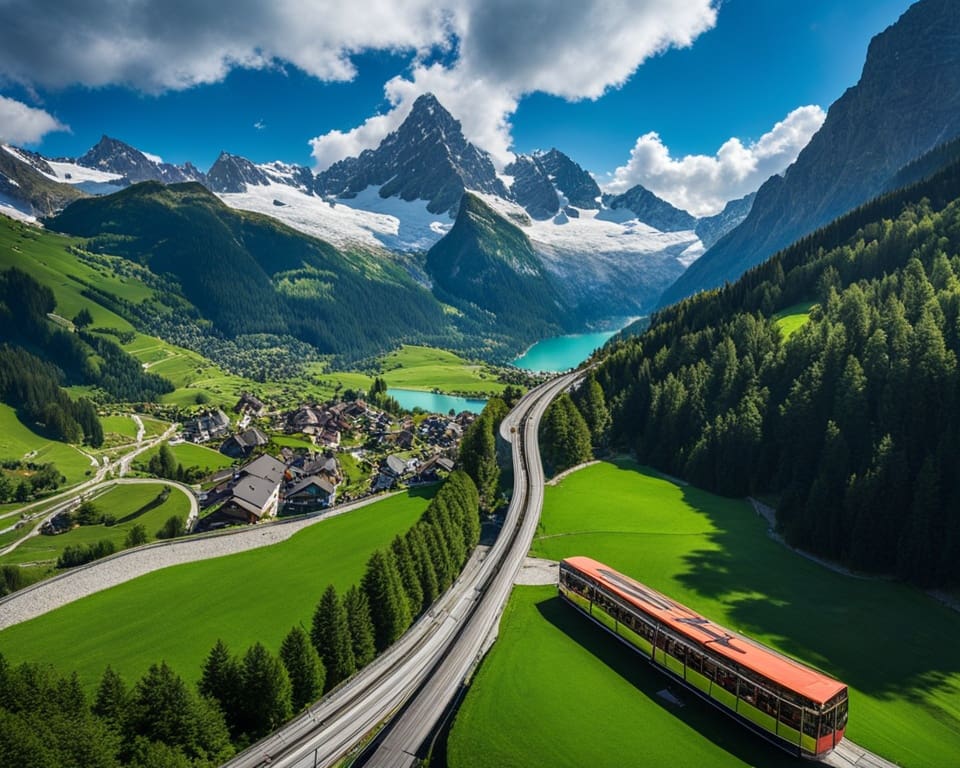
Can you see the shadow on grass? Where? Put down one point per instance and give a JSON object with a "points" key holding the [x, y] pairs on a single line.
{"points": [[881, 637], [151, 505], [708, 721]]}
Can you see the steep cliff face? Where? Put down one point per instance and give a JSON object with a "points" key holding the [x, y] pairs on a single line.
{"points": [[906, 102]]}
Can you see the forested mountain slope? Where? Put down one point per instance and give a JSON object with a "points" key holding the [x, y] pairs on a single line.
{"points": [[853, 418]]}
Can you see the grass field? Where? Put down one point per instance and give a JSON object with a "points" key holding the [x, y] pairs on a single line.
{"points": [[890, 643], [191, 455], [792, 319], [429, 368], [556, 690], [177, 614], [130, 504], [122, 425], [17, 441]]}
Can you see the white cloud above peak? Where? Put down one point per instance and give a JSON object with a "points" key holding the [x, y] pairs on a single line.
{"points": [[702, 184], [507, 49], [21, 124]]}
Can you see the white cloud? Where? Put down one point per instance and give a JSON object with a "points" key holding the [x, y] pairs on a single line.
{"points": [[259, 125], [702, 184], [157, 45], [20, 124]]}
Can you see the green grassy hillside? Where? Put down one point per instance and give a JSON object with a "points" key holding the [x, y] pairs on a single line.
{"points": [[177, 614], [884, 639]]}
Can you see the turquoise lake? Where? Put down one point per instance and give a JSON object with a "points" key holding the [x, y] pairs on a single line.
{"points": [[561, 353], [434, 403]]}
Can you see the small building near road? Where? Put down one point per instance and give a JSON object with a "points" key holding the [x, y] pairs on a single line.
{"points": [[310, 493]]}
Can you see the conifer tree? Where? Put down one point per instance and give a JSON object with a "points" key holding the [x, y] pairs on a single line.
{"points": [[266, 693], [330, 634], [110, 703], [361, 626], [408, 575], [221, 680], [303, 665], [389, 608]]}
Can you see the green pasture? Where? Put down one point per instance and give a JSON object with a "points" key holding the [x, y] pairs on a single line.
{"points": [[129, 504], [178, 613], [557, 690], [17, 441], [123, 426], [191, 455], [792, 319], [428, 368], [890, 643]]}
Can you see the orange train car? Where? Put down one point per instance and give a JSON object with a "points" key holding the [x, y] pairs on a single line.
{"points": [[796, 707]]}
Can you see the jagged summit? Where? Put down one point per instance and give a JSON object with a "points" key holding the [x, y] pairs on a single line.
{"points": [[115, 156], [426, 158]]}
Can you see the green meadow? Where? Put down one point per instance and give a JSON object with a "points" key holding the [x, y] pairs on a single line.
{"points": [[890, 643], [792, 319], [428, 368], [130, 504], [122, 427], [178, 613], [191, 455], [17, 441]]}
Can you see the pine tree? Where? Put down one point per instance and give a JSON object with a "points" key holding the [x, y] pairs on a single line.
{"points": [[389, 609], [408, 575], [361, 626], [221, 680], [265, 704], [110, 703], [303, 665], [330, 634], [593, 407], [423, 561], [163, 709]]}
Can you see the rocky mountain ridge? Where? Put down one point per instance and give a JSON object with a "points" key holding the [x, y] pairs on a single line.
{"points": [[906, 102]]}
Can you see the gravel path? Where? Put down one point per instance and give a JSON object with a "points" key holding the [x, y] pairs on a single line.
{"points": [[536, 571], [124, 566]]}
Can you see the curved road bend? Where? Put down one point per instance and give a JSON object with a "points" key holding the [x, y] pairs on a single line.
{"points": [[102, 574], [337, 723]]}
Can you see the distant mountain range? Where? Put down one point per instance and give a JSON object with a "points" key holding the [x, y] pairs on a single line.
{"points": [[605, 256]]}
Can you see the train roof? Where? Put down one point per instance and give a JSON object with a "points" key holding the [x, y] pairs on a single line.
{"points": [[741, 650]]}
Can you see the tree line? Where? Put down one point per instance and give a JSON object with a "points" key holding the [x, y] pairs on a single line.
{"points": [[851, 421]]}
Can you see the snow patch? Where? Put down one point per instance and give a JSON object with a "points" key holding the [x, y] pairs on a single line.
{"points": [[155, 159], [691, 254], [16, 209], [367, 220]]}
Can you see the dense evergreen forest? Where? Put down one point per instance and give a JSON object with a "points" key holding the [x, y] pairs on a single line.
{"points": [[852, 421]]}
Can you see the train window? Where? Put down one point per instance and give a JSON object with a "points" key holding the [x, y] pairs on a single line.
{"points": [[842, 714], [790, 715], [727, 679], [695, 661], [709, 668], [810, 722], [748, 692]]}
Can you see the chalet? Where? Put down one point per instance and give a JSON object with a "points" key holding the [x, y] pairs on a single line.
{"points": [[252, 499], [256, 493], [265, 467], [310, 493], [209, 425], [329, 438], [249, 403], [240, 445], [392, 470]]}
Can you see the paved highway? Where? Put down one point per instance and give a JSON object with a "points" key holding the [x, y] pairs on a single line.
{"points": [[455, 629]]}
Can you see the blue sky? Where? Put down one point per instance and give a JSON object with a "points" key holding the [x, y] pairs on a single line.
{"points": [[519, 74]]}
